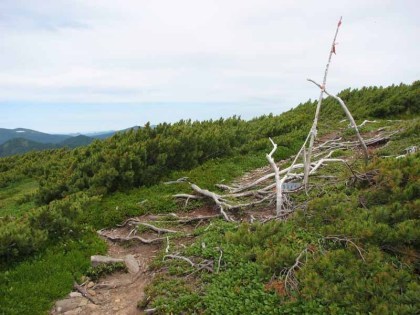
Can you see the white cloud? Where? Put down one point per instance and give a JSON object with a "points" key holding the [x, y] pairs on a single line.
{"points": [[248, 51]]}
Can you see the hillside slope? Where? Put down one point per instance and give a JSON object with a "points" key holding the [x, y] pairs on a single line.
{"points": [[44, 249]]}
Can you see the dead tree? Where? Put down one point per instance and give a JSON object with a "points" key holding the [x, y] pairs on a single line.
{"points": [[313, 131], [323, 152]]}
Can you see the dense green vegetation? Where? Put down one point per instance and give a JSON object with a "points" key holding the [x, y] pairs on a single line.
{"points": [[51, 201]]}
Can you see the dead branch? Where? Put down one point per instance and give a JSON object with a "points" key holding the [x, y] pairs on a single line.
{"points": [[181, 258], [179, 180], [205, 264], [366, 122], [216, 198], [187, 196], [291, 283], [410, 150], [219, 261], [349, 117], [322, 161], [347, 241], [167, 245]]}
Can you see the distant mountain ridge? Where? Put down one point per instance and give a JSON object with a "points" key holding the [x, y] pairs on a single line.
{"points": [[21, 145], [29, 134], [22, 140]]}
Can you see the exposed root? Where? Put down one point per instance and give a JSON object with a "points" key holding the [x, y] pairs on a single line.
{"points": [[186, 220], [131, 238], [136, 222]]}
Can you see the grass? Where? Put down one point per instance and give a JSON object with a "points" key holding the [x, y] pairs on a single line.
{"points": [[31, 287], [15, 199]]}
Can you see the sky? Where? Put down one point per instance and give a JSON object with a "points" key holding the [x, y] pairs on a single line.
{"points": [[92, 65]]}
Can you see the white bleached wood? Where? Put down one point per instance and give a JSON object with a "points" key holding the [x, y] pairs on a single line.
{"points": [[279, 192], [313, 131]]}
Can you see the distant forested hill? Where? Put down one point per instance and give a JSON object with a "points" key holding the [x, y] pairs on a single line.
{"points": [[21, 145], [28, 134], [77, 141], [20, 140]]}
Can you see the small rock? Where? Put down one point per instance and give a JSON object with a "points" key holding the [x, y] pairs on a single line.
{"points": [[131, 264], [92, 307], [90, 284], [91, 292], [73, 312], [66, 305], [83, 302], [75, 294], [99, 259], [117, 301]]}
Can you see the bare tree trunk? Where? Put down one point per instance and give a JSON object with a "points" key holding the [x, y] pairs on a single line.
{"points": [[318, 107], [279, 201]]}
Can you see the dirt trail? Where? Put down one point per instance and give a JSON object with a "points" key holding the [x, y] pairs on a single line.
{"points": [[120, 292], [117, 293]]}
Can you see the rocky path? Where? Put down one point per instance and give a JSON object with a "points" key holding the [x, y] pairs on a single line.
{"points": [[119, 293]]}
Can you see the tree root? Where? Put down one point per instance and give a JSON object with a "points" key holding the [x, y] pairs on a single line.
{"points": [[136, 222], [131, 238]]}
